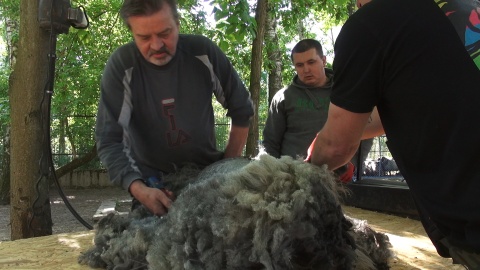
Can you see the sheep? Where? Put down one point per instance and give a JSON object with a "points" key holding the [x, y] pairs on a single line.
{"points": [[264, 213], [388, 166]]}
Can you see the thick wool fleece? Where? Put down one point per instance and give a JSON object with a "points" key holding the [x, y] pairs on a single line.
{"points": [[266, 213]]}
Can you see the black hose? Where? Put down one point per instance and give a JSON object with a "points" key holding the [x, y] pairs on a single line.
{"points": [[55, 178], [48, 150]]}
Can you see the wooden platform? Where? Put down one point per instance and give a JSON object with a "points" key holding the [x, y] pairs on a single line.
{"points": [[413, 249]]}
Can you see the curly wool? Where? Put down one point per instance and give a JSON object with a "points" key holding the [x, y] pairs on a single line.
{"points": [[266, 213]]}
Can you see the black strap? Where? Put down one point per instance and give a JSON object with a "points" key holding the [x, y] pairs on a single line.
{"points": [[312, 97]]}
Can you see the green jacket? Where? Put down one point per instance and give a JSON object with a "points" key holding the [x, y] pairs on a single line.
{"points": [[294, 118]]}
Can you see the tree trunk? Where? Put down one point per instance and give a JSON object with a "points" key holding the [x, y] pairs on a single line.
{"points": [[30, 213], [255, 77], [301, 30], [5, 170], [11, 27], [274, 56]]}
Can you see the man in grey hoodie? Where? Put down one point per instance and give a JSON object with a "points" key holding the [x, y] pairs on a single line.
{"points": [[298, 110]]}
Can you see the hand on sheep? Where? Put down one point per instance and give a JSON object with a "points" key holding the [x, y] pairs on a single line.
{"points": [[157, 201], [309, 152], [345, 173]]}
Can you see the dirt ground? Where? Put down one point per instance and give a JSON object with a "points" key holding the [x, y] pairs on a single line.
{"points": [[84, 201]]}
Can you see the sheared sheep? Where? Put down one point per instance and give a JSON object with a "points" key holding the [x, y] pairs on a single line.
{"points": [[266, 213]]}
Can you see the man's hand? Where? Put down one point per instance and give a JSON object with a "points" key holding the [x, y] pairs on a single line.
{"points": [[158, 201], [309, 151], [345, 173]]}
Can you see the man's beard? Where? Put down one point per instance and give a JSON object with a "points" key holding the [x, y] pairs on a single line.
{"points": [[160, 61]]}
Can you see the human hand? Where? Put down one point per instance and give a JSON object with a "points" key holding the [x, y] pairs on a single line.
{"points": [[345, 173], [309, 151], [157, 201]]}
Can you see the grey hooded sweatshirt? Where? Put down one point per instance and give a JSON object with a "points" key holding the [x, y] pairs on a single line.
{"points": [[295, 117]]}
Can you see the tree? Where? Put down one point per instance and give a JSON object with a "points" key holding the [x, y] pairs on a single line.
{"points": [[274, 54], [30, 206], [9, 16], [255, 76]]}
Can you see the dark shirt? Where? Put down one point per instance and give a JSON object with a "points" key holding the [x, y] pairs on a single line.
{"points": [[154, 119], [405, 57]]}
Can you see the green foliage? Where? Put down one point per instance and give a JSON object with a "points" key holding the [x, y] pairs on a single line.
{"points": [[81, 57], [193, 19], [4, 104], [11, 12], [82, 54], [234, 19]]}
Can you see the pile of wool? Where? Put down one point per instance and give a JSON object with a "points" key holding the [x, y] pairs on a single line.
{"points": [[264, 213]]}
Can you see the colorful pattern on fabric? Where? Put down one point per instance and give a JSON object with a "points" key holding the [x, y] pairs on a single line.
{"points": [[465, 17]]}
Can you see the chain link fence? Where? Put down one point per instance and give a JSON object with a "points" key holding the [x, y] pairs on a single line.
{"points": [[222, 129], [378, 164]]}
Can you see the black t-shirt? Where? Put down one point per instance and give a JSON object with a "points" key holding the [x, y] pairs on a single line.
{"points": [[405, 57]]}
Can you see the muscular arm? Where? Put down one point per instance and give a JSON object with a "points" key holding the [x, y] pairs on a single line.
{"points": [[338, 140], [236, 141], [374, 126]]}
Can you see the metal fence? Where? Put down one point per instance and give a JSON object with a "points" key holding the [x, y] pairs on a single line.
{"points": [[377, 165], [222, 129]]}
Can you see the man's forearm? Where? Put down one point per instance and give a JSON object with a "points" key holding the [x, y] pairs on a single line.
{"points": [[339, 138], [374, 126], [236, 141], [324, 151]]}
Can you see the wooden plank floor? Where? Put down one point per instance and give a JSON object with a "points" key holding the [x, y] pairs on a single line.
{"points": [[413, 249], [59, 251]]}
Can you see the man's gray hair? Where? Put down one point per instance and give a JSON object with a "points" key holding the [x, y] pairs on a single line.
{"points": [[145, 8]]}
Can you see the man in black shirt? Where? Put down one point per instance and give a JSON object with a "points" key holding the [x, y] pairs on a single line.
{"points": [[406, 58]]}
